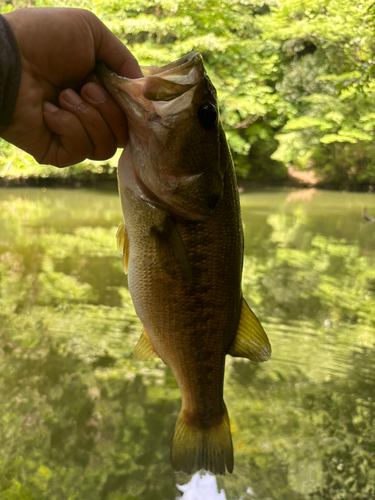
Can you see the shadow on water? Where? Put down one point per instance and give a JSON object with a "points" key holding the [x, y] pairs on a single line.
{"points": [[80, 419]]}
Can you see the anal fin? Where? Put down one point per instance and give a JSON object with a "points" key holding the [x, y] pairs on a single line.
{"points": [[251, 340], [144, 348]]}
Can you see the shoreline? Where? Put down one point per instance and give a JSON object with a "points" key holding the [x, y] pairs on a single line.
{"points": [[108, 182]]}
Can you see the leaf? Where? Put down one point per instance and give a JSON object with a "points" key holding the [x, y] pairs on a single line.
{"points": [[307, 121]]}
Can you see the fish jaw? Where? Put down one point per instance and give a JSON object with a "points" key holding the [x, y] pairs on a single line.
{"points": [[135, 96], [175, 156]]}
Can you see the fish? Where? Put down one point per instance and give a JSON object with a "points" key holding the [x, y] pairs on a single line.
{"points": [[182, 245]]}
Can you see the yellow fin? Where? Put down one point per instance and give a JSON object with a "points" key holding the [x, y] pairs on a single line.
{"points": [[171, 251], [144, 349], [123, 245], [120, 237], [251, 340], [208, 448]]}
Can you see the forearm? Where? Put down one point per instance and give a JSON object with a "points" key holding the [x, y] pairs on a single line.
{"points": [[10, 73]]}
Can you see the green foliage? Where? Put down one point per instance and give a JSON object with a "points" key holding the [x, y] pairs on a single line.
{"points": [[15, 165], [328, 85], [294, 79]]}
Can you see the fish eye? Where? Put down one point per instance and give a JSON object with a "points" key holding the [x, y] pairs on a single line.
{"points": [[207, 115]]}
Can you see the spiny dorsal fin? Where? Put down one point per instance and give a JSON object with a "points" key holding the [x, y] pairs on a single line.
{"points": [[123, 245], [144, 349], [251, 340], [171, 251]]}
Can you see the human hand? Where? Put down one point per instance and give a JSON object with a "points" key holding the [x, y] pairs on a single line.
{"points": [[59, 49]]}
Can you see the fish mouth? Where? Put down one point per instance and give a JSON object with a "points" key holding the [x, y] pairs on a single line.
{"points": [[177, 78], [182, 65]]}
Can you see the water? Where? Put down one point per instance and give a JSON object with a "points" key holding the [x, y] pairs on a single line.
{"points": [[80, 419]]}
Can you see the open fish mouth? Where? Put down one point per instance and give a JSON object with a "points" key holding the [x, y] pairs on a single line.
{"points": [[162, 92], [163, 83]]}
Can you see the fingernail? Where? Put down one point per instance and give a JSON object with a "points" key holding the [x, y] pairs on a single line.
{"points": [[48, 107], [71, 97], [95, 93]]}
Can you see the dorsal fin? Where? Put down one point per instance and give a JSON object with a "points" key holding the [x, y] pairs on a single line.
{"points": [[251, 340], [144, 349]]}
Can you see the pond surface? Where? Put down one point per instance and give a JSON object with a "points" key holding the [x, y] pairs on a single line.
{"points": [[79, 419]]}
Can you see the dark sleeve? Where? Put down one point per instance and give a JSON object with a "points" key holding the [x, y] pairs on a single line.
{"points": [[10, 73]]}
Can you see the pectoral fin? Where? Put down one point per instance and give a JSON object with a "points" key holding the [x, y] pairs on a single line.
{"points": [[144, 349], [123, 245], [251, 340], [171, 251]]}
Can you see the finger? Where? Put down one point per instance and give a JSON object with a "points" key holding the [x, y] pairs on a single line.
{"points": [[97, 129], [113, 52], [115, 118], [70, 143]]}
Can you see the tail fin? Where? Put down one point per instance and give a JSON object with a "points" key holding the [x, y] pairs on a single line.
{"points": [[196, 448]]}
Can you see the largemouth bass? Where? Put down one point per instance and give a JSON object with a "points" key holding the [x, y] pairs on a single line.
{"points": [[182, 243]]}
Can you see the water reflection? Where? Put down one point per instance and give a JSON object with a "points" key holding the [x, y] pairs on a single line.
{"points": [[80, 419]]}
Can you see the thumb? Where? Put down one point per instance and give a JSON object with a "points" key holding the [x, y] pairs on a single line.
{"points": [[114, 53]]}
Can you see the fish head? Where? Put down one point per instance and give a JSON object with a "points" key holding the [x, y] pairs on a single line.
{"points": [[174, 133]]}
